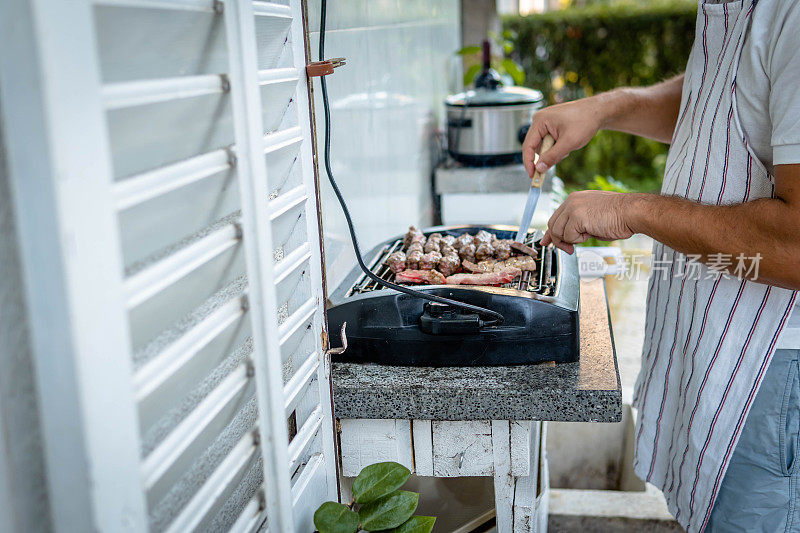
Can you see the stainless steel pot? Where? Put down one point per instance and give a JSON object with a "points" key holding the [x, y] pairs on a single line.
{"points": [[484, 125]]}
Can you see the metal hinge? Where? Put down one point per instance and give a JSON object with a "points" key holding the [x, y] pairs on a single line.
{"points": [[337, 351], [323, 68]]}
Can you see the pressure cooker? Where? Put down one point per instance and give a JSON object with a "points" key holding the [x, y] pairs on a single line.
{"points": [[487, 125]]}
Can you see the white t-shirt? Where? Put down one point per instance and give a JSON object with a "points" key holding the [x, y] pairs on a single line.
{"points": [[768, 82]]}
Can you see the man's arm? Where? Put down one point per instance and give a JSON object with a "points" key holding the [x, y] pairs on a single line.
{"points": [[768, 226], [649, 112]]}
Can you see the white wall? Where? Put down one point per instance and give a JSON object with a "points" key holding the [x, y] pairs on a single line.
{"points": [[385, 104]]}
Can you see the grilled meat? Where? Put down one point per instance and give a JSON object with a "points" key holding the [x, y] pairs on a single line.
{"points": [[449, 240], [493, 265], [518, 246], [396, 262], [484, 251], [447, 249], [429, 261], [487, 278], [433, 243], [483, 236], [449, 264], [502, 249], [431, 277], [463, 240], [467, 252], [413, 235], [413, 259], [415, 246]]}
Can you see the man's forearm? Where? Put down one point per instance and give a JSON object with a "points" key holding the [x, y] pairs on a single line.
{"points": [[650, 112], [768, 227]]}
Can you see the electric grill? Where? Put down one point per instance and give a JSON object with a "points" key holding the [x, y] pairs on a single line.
{"points": [[385, 326]]}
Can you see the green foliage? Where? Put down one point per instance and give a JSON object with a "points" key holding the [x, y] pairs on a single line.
{"points": [[332, 517], [579, 52], [415, 524], [382, 506], [507, 67], [388, 512], [379, 480]]}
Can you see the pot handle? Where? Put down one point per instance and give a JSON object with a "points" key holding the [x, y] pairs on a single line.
{"points": [[523, 132]]}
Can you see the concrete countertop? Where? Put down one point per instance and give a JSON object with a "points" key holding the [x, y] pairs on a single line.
{"points": [[586, 391]]}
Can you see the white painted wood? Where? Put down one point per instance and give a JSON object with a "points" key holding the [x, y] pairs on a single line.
{"points": [[241, 38], [365, 442], [521, 439], [60, 168], [526, 489], [503, 481], [462, 448], [422, 437]]}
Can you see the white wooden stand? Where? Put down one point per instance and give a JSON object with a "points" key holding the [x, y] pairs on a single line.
{"points": [[513, 452]]}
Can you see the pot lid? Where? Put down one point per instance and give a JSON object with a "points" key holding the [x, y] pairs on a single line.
{"points": [[495, 97]]}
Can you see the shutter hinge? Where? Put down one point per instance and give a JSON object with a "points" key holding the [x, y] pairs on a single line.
{"points": [[323, 68], [337, 351]]}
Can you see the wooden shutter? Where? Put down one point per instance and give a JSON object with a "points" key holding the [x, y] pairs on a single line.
{"points": [[162, 162]]}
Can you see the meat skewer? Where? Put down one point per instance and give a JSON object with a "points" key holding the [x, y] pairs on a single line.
{"points": [[413, 259], [484, 251], [433, 243], [432, 277], [488, 278], [502, 249], [413, 235]]}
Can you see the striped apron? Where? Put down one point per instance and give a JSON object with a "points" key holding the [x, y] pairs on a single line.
{"points": [[708, 338]]}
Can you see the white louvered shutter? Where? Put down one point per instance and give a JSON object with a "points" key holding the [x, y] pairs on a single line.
{"points": [[165, 184]]}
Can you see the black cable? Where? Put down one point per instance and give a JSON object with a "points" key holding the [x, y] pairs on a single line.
{"points": [[495, 318]]}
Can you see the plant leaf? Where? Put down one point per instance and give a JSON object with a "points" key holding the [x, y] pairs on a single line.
{"points": [[514, 71], [469, 75], [378, 480], [390, 511], [469, 50], [415, 524], [332, 517]]}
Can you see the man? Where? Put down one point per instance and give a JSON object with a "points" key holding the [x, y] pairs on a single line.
{"points": [[731, 191]]}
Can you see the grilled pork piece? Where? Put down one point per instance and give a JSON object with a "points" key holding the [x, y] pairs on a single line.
{"points": [[433, 243], [413, 259], [396, 262], [415, 246], [488, 278], [413, 235], [483, 236], [493, 265], [463, 240], [449, 264], [449, 240], [522, 262], [502, 249], [431, 277], [447, 249], [429, 261], [518, 246], [467, 252], [484, 251]]}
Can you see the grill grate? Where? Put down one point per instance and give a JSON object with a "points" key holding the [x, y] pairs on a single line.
{"points": [[542, 281]]}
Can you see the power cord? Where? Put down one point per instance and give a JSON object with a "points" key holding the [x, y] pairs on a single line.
{"points": [[493, 318]]}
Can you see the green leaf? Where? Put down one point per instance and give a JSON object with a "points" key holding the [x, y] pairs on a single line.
{"points": [[388, 512], [378, 480], [469, 50], [469, 75], [415, 524], [514, 71], [332, 517]]}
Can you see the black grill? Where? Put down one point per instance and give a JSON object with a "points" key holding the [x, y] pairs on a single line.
{"points": [[385, 326]]}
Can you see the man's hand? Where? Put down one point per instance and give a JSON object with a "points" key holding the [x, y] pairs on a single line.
{"points": [[649, 112], [572, 126], [600, 214]]}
